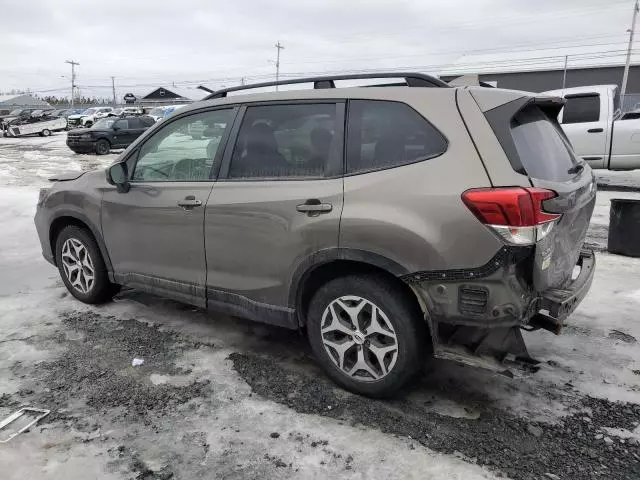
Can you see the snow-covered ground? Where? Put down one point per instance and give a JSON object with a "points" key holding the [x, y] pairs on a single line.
{"points": [[219, 397]]}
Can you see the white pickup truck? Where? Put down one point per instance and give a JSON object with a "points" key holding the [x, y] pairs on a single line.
{"points": [[591, 120]]}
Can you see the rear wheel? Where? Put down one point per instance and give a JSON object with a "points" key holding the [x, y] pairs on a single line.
{"points": [[82, 267], [366, 334], [102, 147], [46, 132]]}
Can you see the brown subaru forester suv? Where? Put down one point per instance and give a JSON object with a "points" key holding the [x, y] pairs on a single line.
{"points": [[390, 222]]}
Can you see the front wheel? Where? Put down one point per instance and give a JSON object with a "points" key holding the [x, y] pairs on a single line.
{"points": [[102, 147], [46, 132], [367, 334], [82, 267]]}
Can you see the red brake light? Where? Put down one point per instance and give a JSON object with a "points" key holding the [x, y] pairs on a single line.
{"points": [[510, 206]]}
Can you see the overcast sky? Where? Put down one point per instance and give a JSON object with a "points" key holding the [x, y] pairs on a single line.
{"points": [[147, 43]]}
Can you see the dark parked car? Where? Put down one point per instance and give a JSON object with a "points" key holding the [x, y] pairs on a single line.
{"points": [[108, 133]]}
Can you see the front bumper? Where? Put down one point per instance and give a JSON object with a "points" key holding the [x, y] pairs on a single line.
{"points": [[41, 221], [84, 146]]}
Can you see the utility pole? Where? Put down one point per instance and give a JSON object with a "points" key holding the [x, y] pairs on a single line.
{"points": [[113, 87], [625, 76], [564, 75], [73, 78], [279, 47]]}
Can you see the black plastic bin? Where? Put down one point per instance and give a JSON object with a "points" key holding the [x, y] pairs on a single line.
{"points": [[624, 227]]}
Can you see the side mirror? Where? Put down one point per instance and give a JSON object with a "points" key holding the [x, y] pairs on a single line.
{"points": [[117, 175]]}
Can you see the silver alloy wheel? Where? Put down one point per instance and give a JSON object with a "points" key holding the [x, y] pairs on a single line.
{"points": [[78, 265], [359, 338]]}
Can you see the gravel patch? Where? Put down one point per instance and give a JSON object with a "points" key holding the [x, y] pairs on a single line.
{"points": [[520, 449]]}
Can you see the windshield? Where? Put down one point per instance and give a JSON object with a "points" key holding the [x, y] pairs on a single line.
{"points": [[158, 111], [104, 123], [15, 112], [117, 111], [89, 111]]}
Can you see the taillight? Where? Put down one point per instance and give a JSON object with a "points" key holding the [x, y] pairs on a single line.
{"points": [[514, 213]]}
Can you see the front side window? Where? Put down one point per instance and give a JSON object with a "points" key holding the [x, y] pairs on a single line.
{"points": [[286, 141], [581, 109], [173, 155], [103, 123], [121, 124], [382, 134]]}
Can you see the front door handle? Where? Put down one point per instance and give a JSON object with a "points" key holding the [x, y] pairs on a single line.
{"points": [[314, 207], [595, 130], [189, 202]]}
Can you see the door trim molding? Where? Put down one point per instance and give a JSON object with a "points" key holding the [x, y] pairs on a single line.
{"points": [[181, 291], [241, 306]]}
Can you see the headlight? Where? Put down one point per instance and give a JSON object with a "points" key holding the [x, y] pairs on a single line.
{"points": [[85, 136], [44, 193]]}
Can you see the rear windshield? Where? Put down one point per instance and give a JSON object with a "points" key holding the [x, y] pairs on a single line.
{"points": [[543, 149]]}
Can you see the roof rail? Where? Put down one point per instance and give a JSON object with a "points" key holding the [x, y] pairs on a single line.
{"points": [[411, 79]]}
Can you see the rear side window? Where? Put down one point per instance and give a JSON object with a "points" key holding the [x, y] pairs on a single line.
{"points": [[581, 109], [543, 149], [286, 141], [382, 134]]}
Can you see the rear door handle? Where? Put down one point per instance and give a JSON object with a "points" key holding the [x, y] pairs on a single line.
{"points": [[189, 202], [595, 130], [314, 206]]}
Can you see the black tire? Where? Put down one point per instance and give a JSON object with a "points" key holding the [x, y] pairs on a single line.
{"points": [[101, 290], [403, 316], [102, 147], [46, 132]]}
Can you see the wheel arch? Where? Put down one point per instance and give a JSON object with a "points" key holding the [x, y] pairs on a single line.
{"points": [[326, 265], [64, 219]]}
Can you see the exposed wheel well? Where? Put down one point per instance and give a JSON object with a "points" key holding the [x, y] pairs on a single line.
{"points": [[58, 224], [321, 274]]}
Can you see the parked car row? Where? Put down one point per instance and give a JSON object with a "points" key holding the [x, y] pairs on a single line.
{"points": [[30, 121], [162, 112]]}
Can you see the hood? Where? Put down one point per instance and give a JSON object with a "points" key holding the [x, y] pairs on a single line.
{"points": [[65, 176], [80, 131], [76, 116], [8, 119]]}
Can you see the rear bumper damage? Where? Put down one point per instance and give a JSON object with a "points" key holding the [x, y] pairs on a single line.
{"points": [[477, 316]]}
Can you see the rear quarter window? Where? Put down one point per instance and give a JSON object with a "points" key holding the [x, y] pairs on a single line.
{"points": [[386, 134], [544, 151]]}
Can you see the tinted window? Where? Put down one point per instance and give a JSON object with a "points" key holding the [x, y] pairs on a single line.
{"points": [[172, 154], [134, 123], [285, 141], [388, 134], [582, 109], [121, 124], [541, 146]]}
